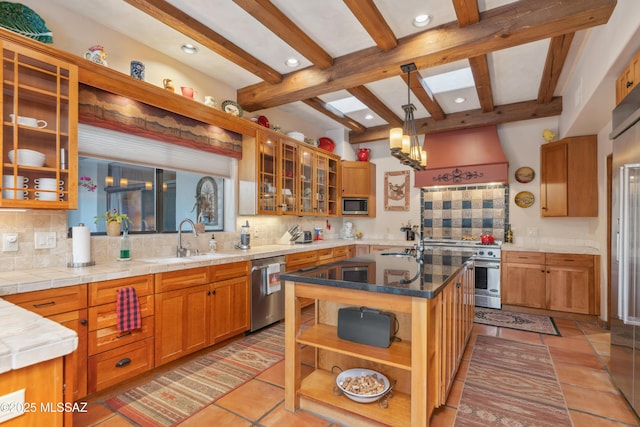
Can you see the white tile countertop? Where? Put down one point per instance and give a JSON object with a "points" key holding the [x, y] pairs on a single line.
{"points": [[551, 248], [27, 338]]}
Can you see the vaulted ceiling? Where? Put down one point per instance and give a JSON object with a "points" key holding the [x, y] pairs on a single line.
{"points": [[516, 50]]}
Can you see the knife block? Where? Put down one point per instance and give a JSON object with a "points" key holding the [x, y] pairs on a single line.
{"points": [[286, 239]]}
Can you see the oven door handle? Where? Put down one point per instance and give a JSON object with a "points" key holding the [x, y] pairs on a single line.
{"points": [[488, 265]]}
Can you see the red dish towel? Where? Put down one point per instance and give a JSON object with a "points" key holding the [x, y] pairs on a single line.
{"points": [[128, 310]]}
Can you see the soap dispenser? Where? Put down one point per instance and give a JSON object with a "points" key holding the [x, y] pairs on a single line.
{"points": [[125, 246], [213, 244]]}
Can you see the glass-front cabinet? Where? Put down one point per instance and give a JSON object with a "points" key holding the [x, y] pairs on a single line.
{"points": [[39, 130], [294, 179]]}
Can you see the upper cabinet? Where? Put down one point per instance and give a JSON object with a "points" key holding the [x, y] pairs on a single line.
{"points": [[359, 180], [628, 79], [568, 177], [292, 178], [39, 123]]}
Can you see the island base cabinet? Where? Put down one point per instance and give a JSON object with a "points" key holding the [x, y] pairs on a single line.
{"points": [[43, 388]]}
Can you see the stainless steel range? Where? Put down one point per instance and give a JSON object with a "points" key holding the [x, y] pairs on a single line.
{"points": [[487, 267]]}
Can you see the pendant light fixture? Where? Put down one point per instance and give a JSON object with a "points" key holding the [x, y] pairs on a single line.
{"points": [[403, 142]]}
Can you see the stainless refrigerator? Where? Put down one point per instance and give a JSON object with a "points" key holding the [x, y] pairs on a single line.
{"points": [[625, 250]]}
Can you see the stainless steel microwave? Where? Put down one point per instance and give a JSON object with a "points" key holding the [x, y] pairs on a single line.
{"points": [[355, 206]]}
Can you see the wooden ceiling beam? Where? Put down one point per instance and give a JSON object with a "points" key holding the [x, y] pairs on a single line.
{"points": [[468, 14], [556, 57], [513, 24], [424, 94], [190, 27], [469, 119], [373, 22], [336, 115], [279, 24], [373, 102]]}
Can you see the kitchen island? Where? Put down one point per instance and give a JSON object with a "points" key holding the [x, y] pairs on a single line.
{"points": [[433, 302]]}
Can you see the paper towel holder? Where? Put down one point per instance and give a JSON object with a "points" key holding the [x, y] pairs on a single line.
{"points": [[80, 264]]}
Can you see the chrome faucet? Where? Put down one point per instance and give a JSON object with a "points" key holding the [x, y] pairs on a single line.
{"points": [[182, 252]]}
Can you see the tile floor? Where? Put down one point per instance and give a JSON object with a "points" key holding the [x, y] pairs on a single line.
{"points": [[580, 357]]}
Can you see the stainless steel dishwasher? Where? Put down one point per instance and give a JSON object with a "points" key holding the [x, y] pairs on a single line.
{"points": [[265, 308]]}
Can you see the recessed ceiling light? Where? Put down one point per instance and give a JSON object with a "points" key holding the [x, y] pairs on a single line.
{"points": [[422, 20], [459, 100], [188, 48], [368, 117], [292, 62]]}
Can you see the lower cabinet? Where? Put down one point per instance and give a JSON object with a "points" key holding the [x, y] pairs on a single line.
{"points": [[117, 356], [67, 306], [551, 281], [229, 308]]}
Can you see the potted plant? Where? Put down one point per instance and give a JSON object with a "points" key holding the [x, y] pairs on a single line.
{"points": [[113, 221]]}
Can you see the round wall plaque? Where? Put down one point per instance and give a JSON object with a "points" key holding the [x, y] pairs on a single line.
{"points": [[525, 174], [524, 199]]}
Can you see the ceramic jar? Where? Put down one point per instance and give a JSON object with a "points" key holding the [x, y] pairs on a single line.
{"points": [[363, 154]]}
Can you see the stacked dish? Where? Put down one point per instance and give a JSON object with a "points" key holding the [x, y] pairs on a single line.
{"points": [[296, 135], [27, 158]]}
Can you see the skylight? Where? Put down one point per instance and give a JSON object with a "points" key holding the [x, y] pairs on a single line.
{"points": [[452, 80], [347, 105]]}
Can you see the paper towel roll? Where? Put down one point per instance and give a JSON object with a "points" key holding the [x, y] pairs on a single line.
{"points": [[81, 244]]}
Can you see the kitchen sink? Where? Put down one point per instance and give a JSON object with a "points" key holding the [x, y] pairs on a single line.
{"points": [[398, 254], [178, 260]]}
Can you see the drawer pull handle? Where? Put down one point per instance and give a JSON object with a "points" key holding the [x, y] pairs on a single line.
{"points": [[126, 334], [123, 362], [44, 304]]}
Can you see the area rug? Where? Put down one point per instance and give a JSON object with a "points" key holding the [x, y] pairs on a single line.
{"points": [[511, 383], [520, 321], [173, 396]]}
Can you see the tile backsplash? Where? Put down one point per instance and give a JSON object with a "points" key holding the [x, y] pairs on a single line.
{"points": [[457, 212]]}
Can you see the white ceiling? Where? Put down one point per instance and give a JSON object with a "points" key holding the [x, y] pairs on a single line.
{"points": [[515, 73]]}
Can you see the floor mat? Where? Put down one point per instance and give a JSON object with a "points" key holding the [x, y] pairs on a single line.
{"points": [[173, 396], [511, 383], [520, 321]]}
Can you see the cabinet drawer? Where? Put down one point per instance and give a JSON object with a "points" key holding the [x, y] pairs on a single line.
{"points": [[180, 279], [104, 316], [568, 260], [109, 338], [114, 366], [325, 255], [52, 301], [301, 258], [340, 252], [107, 292], [229, 271], [524, 257]]}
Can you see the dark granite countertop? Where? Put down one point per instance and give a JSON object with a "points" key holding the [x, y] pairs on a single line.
{"points": [[399, 275]]}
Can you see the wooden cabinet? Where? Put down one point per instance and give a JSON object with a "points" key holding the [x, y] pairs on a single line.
{"points": [[294, 178], [67, 306], [40, 92], [230, 300], [568, 177], [359, 180], [552, 281], [116, 356], [181, 322], [628, 79]]}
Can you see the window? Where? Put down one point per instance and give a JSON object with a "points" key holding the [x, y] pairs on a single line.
{"points": [[155, 200]]}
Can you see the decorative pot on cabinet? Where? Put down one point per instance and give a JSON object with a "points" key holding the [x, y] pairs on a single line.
{"points": [[363, 154]]}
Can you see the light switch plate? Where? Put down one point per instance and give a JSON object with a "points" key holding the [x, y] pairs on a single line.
{"points": [[10, 242], [45, 240]]}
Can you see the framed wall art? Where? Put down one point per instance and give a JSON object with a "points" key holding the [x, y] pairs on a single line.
{"points": [[396, 191]]}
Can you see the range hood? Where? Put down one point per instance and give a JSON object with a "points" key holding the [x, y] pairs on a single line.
{"points": [[463, 157]]}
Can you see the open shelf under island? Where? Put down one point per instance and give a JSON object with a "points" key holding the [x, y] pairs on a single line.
{"points": [[433, 302]]}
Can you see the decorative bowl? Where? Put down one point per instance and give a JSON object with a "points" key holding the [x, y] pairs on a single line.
{"points": [[27, 158], [359, 372], [326, 144], [296, 135]]}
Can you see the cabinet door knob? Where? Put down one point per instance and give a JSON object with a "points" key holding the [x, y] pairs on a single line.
{"points": [[629, 84], [214, 292], [83, 322], [123, 362], [208, 292]]}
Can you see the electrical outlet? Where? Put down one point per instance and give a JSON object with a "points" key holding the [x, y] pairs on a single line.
{"points": [[10, 242], [44, 240], [11, 405], [532, 231], [256, 232]]}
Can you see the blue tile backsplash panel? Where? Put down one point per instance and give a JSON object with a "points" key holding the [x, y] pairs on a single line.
{"points": [[470, 211]]}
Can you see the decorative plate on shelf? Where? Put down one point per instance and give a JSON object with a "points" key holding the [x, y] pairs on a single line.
{"points": [[232, 108], [525, 174], [524, 199], [263, 121]]}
